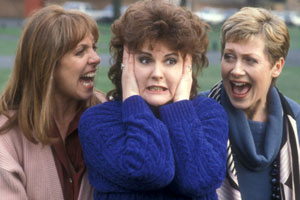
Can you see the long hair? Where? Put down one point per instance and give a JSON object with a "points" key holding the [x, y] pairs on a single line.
{"points": [[27, 99], [160, 21]]}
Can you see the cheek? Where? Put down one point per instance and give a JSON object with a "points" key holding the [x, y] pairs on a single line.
{"points": [[224, 70], [174, 77], [140, 75]]}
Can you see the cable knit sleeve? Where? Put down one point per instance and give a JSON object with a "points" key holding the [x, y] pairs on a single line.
{"points": [[198, 130], [126, 147]]}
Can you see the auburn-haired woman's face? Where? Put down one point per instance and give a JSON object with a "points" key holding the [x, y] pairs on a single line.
{"points": [[158, 71]]}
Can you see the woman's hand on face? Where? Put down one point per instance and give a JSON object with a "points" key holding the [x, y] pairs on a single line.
{"points": [[185, 85], [129, 83]]}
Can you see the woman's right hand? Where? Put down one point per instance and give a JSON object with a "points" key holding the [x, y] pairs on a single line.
{"points": [[129, 83]]}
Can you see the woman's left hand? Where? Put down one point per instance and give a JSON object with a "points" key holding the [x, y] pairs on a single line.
{"points": [[185, 85]]}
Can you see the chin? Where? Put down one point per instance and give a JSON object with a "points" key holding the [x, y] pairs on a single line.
{"points": [[156, 102], [85, 97], [239, 105]]}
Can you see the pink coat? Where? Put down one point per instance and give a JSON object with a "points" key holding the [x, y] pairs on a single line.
{"points": [[28, 171]]}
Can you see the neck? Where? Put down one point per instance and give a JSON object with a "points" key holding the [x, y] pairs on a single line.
{"points": [[257, 112], [65, 111]]}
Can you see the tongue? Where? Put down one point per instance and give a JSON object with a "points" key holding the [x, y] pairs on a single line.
{"points": [[241, 89]]}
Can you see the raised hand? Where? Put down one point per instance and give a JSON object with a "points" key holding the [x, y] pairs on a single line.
{"points": [[185, 85], [129, 83]]}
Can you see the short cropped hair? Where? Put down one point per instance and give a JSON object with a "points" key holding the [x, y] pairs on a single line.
{"points": [[250, 22]]}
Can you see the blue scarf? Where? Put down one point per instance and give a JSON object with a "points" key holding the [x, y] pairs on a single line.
{"points": [[241, 137]]}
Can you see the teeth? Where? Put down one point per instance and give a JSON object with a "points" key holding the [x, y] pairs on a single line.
{"points": [[155, 88], [87, 83], [89, 75], [239, 84]]}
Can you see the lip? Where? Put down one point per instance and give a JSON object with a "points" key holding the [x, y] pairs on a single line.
{"points": [[92, 71], [239, 89], [87, 79], [156, 89]]}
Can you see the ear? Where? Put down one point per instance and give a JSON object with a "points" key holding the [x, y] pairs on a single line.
{"points": [[277, 68]]}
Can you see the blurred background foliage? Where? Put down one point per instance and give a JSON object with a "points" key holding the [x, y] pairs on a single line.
{"points": [[13, 15]]}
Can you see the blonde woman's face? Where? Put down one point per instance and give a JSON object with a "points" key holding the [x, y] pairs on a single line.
{"points": [[247, 75], [74, 77]]}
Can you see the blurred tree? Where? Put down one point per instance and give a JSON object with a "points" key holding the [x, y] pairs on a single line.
{"points": [[252, 2], [117, 6], [183, 3]]}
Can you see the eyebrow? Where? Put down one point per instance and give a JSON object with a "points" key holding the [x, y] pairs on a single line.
{"points": [[81, 45], [229, 50], [169, 54]]}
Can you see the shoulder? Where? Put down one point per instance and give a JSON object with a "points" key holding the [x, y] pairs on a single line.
{"points": [[208, 106], [11, 144], [103, 108], [106, 112], [206, 102], [204, 93], [295, 107]]}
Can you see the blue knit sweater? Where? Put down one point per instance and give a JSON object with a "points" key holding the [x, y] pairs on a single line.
{"points": [[132, 154]]}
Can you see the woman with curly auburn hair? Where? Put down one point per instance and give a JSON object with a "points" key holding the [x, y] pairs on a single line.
{"points": [[155, 138], [51, 84]]}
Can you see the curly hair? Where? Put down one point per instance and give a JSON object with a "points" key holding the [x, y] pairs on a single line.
{"points": [[160, 21]]}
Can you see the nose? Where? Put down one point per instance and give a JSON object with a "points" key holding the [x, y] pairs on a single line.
{"points": [[157, 73], [94, 58], [238, 69]]}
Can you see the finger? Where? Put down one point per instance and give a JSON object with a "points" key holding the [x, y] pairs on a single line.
{"points": [[125, 58], [187, 65], [130, 62]]}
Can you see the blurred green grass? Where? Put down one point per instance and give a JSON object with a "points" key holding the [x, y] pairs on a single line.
{"points": [[9, 38], [287, 83]]}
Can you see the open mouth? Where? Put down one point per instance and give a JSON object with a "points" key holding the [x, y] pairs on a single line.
{"points": [[156, 88], [240, 89], [88, 79]]}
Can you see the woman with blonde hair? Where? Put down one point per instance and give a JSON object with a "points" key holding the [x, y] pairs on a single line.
{"points": [[263, 150], [51, 84]]}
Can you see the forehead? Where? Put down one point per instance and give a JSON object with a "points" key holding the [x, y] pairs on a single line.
{"points": [[157, 46], [253, 45]]}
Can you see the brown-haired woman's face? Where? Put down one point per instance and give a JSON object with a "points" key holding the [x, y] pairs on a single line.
{"points": [[247, 74], [74, 77], [158, 71]]}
